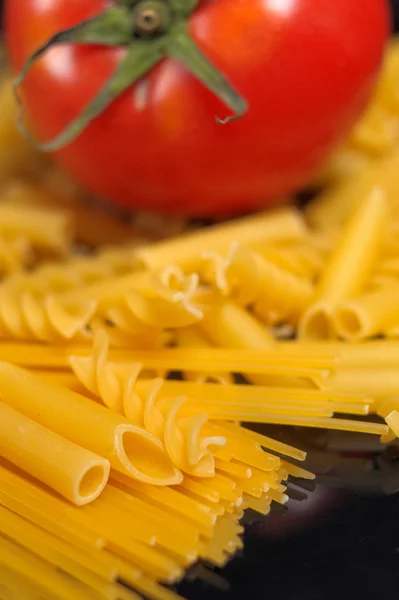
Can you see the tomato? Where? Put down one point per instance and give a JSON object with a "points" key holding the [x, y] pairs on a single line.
{"points": [[305, 68]]}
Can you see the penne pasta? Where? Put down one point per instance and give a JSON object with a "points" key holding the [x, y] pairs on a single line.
{"points": [[74, 472], [143, 358], [249, 278], [367, 315], [349, 266], [68, 413]]}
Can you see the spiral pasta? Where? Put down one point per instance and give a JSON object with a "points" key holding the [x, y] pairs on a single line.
{"points": [[28, 317], [249, 278], [118, 390], [178, 414], [60, 303], [151, 358]]}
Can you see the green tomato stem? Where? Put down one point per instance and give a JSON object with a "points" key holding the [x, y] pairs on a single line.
{"points": [[151, 31]]}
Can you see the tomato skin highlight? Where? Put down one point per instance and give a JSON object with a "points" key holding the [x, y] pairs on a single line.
{"points": [[307, 69]]}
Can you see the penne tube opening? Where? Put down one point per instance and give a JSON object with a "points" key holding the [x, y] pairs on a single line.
{"points": [[143, 457], [315, 324], [92, 482], [368, 315], [74, 472], [352, 323]]}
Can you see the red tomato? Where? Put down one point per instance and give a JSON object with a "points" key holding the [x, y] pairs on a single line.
{"points": [[305, 67]]}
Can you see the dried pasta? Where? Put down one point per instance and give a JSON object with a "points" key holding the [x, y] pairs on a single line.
{"points": [[192, 337], [47, 231], [15, 255], [68, 413], [349, 266], [368, 315], [285, 224], [251, 279], [71, 470], [145, 357]]}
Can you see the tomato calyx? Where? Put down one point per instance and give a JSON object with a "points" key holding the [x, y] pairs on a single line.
{"points": [[150, 30]]}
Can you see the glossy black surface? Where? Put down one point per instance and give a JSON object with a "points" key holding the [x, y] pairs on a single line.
{"points": [[340, 542]]}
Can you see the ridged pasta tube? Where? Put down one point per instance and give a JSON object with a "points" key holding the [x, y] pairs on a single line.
{"points": [[249, 278], [76, 473], [129, 449], [349, 266], [368, 315]]}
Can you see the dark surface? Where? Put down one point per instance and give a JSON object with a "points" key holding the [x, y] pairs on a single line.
{"points": [[342, 545], [341, 542], [353, 552]]}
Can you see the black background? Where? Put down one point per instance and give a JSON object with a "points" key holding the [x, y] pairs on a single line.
{"points": [[349, 552]]}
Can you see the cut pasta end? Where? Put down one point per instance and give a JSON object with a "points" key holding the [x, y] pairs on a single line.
{"points": [[143, 457], [92, 482], [350, 323], [315, 325]]}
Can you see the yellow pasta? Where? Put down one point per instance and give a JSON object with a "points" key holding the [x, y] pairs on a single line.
{"points": [[186, 251], [378, 383], [46, 230], [55, 583], [374, 353], [326, 423], [15, 254], [84, 568], [376, 134], [348, 268], [249, 278], [74, 472], [237, 393], [333, 208], [145, 300], [182, 434], [55, 277], [301, 258], [190, 337], [230, 326], [92, 225], [127, 447], [176, 420], [114, 382], [368, 315], [321, 356], [101, 335]]}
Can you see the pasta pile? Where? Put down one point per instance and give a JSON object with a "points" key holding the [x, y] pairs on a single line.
{"points": [[134, 369]]}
